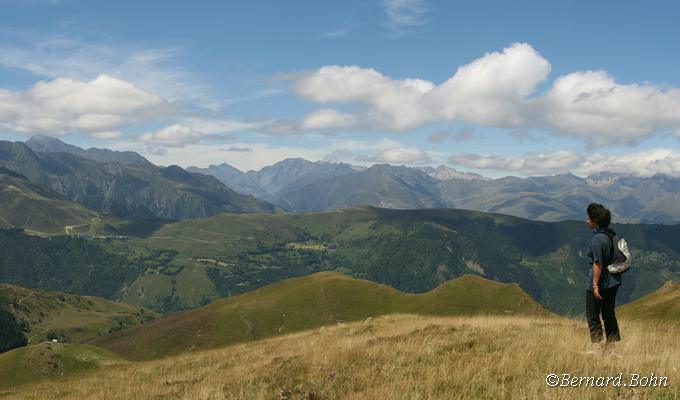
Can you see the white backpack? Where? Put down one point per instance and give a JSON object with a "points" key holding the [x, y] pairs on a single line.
{"points": [[621, 257]]}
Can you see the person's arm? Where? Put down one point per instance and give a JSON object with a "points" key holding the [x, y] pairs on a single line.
{"points": [[597, 271], [598, 244]]}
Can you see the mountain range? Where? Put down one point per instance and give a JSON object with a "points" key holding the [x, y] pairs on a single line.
{"points": [[167, 243], [299, 185], [48, 144], [125, 189], [126, 184]]}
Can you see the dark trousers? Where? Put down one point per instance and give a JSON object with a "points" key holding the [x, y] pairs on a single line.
{"points": [[595, 307]]}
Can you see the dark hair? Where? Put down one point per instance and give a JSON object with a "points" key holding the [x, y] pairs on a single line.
{"points": [[600, 215]]}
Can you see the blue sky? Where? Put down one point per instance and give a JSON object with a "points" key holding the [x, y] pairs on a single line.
{"points": [[499, 88]]}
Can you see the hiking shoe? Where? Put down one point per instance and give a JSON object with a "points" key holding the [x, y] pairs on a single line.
{"points": [[609, 349], [594, 349]]}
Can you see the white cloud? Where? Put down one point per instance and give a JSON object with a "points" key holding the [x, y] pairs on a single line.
{"points": [[94, 84], [487, 91], [217, 125], [100, 108], [157, 70], [499, 90], [175, 135], [65, 105], [402, 15], [329, 119], [529, 164], [107, 135], [367, 152], [640, 163], [399, 155], [592, 105]]}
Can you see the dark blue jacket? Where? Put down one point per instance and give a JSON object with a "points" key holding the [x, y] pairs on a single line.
{"points": [[600, 251]]}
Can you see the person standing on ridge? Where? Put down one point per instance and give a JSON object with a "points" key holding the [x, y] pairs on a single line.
{"points": [[602, 285]]}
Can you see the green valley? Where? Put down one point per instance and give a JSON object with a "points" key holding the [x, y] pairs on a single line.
{"points": [[174, 265], [411, 250], [67, 317]]}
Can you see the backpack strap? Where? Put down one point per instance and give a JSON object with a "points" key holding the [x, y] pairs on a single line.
{"points": [[610, 234]]}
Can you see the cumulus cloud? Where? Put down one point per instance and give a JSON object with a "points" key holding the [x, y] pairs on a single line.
{"points": [[98, 107], [399, 155], [529, 164], [640, 163], [374, 151], [500, 90], [594, 106], [329, 119], [157, 70], [175, 135], [488, 91]]}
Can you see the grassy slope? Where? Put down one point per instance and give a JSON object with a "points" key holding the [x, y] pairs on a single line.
{"points": [[661, 305], [38, 210], [76, 318], [303, 303], [50, 360], [393, 357]]}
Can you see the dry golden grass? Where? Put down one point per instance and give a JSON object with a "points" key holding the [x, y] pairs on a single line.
{"points": [[392, 357]]}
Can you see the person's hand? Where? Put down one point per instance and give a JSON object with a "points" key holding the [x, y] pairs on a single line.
{"points": [[596, 292]]}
